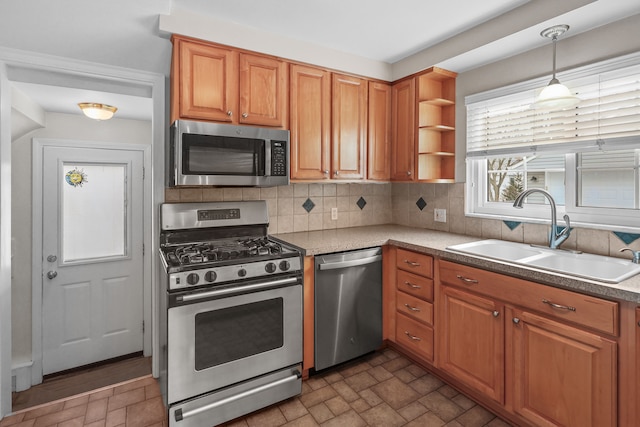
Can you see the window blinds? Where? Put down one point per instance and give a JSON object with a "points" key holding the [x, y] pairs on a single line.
{"points": [[607, 117]]}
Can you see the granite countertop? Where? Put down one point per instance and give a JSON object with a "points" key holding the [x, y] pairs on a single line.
{"points": [[435, 243]]}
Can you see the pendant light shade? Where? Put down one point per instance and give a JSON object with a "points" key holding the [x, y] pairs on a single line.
{"points": [[555, 96], [97, 111]]}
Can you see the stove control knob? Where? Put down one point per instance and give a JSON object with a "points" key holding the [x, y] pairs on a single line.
{"points": [[211, 276], [242, 272], [193, 279], [284, 265], [270, 267]]}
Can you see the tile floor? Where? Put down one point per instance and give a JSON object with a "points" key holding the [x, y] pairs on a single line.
{"points": [[383, 389]]}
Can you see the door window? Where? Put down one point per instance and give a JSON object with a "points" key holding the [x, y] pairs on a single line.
{"points": [[93, 211]]}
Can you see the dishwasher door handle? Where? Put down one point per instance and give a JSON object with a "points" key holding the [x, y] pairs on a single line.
{"points": [[350, 263]]}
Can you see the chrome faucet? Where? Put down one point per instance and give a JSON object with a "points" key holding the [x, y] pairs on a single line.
{"points": [[635, 255], [555, 238]]}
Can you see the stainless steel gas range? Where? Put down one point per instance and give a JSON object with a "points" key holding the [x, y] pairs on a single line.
{"points": [[231, 316]]}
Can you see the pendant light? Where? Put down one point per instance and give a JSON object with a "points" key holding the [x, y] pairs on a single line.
{"points": [[555, 96], [97, 111]]}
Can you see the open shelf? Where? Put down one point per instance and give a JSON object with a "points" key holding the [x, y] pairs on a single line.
{"points": [[436, 125]]}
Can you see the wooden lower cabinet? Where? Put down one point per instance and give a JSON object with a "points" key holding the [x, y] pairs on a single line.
{"points": [[471, 345], [414, 336], [562, 375]]}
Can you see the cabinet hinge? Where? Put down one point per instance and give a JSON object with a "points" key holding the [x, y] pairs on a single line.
{"points": [[143, 172], [143, 249], [143, 326]]}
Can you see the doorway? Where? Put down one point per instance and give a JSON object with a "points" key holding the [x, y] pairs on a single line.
{"points": [[18, 66]]}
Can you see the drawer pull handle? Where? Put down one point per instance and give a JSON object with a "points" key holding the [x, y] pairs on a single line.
{"points": [[412, 263], [412, 308], [412, 286], [495, 313], [558, 306], [466, 279], [412, 337]]}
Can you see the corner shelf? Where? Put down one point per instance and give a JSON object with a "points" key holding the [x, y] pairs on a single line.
{"points": [[436, 125]]}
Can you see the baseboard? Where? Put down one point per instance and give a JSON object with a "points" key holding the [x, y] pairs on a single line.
{"points": [[21, 376]]}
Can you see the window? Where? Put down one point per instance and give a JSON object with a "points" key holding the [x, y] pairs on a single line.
{"points": [[586, 157]]}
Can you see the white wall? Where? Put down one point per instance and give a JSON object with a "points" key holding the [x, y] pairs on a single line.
{"points": [[608, 41], [59, 126]]}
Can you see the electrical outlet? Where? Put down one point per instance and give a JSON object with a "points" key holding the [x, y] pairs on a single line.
{"points": [[334, 214], [440, 215]]}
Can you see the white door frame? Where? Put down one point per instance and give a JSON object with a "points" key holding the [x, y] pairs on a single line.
{"points": [[36, 229], [17, 65]]}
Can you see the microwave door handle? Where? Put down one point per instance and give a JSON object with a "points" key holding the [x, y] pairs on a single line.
{"points": [[267, 159]]}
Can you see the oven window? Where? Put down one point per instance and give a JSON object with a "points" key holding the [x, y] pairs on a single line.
{"points": [[237, 332], [220, 155]]}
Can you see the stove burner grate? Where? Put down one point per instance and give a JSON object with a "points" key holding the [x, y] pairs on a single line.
{"points": [[197, 253]]}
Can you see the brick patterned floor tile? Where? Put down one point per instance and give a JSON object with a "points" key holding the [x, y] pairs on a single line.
{"points": [[360, 381], [146, 412], [350, 418], [383, 416], [347, 393], [293, 409], [269, 417], [475, 417], [96, 410], [337, 405], [305, 421], [380, 373], [321, 413], [428, 419], [395, 393], [317, 396], [412, 411], [444, 408]]}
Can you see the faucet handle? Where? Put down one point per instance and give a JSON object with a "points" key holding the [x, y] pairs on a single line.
{"points": [[635, 254]]}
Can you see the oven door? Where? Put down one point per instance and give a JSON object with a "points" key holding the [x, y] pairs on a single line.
{"points": [[219, 337]]}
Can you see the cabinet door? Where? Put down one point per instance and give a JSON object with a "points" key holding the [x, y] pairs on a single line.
{"points": [[263, 91], [207, 81], [349, 123], [471, 341], [562, 375], [379, 145], [310, 110], [403, 96]]}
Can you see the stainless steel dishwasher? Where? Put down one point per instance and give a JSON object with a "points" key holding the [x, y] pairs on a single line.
{"points": [[348, 305]]}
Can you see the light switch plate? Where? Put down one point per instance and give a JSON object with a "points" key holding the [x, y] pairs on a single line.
{"points": [[334, 214], [440, 215]]}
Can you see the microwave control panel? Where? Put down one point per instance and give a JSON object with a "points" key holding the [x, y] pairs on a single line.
{"points": [[278, 158]]}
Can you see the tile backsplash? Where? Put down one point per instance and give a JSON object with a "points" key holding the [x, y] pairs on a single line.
{"points": [[307, 207], [304, 207]]}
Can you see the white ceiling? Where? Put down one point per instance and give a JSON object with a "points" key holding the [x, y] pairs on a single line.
{"points": [[464, 33]]}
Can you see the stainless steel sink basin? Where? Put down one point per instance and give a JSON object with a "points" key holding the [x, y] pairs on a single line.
{"points": [[594, 267]]}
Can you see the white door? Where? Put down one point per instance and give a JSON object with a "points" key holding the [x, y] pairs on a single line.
{"points": [[92, 281]]}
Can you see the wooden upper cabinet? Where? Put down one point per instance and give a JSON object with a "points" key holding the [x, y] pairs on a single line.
{"points": [[263, 91], [379, 144], [204, 82], [403, 107], [310, 122], [349, 123], [216, 83]]}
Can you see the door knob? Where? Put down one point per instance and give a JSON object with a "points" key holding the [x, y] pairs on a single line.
{"points": [[51, 274], [52, 258]]}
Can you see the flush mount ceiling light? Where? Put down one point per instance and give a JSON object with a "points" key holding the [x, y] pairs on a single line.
{"points": [[555, 96], [97, 111]]}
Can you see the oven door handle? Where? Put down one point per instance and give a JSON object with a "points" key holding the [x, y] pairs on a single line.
{"points": [[179, 415], [246, 288]]}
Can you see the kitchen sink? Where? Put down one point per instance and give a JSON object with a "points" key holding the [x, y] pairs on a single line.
{"points": [[589, 266]]}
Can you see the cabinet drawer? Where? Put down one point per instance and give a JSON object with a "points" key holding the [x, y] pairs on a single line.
{"points": [[414, 336], [414, 262], [415, 285], [414, 308], [592, 312]]}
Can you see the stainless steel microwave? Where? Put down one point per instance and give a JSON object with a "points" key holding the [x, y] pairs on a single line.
{"points": [[202, 153]]}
